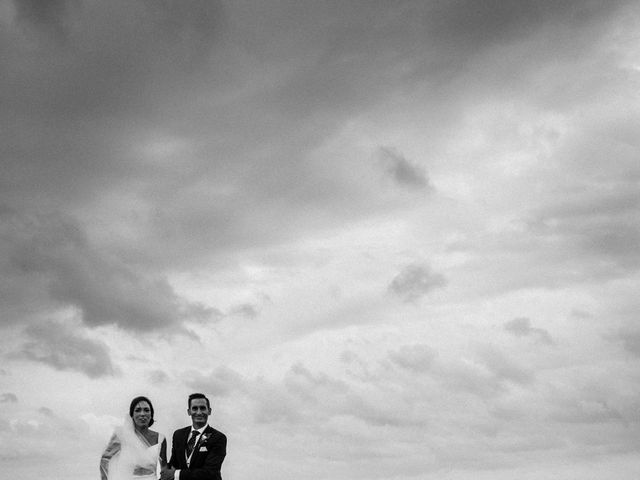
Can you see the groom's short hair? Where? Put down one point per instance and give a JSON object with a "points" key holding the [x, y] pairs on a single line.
{"points": [[193, 396]]}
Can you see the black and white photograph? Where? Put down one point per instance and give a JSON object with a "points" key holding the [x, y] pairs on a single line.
{"points": [[320, 239]]}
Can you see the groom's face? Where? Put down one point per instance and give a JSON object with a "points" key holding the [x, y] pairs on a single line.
{"points": [[199, 412]]}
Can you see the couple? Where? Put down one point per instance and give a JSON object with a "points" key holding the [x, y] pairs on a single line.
{"points": [[137, 453]]}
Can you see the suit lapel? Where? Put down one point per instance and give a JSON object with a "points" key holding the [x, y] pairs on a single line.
{"points": [[184, 438], [183, 445], [196, 449]]}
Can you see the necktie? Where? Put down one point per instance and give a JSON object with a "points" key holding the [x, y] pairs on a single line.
{"points": [[192, 442]]}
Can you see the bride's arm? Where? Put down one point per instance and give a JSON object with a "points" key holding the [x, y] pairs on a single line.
{"points": [[113, 447]]}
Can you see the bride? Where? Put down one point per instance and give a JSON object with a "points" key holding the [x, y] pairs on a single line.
{"points": [[135, 452]]}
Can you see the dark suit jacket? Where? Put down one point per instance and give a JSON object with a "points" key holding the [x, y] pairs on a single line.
{"points": [[207, 457]]}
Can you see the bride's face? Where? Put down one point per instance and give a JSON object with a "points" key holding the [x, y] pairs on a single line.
{"points": [[142, 414]]}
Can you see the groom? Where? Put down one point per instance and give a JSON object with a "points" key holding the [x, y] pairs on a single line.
{"points": [[197, 452]]}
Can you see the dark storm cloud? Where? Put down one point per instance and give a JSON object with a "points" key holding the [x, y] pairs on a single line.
{"points": [[8, 398], [47, 412], [63, 348], [74, 109], [521, 327], [402, 170], [95, 91], [247, 91], [48, 16], [55, 254], [630, 339], [109, 49], [469, 25], [81, 113], [415, 281]]}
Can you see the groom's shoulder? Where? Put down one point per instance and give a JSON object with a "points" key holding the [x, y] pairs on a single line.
{"points": [[182, 430], [212, 431]]}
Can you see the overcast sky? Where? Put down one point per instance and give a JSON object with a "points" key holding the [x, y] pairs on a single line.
{"points": [[389, 240]]}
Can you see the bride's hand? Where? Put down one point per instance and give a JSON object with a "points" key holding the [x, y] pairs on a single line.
{"points": [[167, 473]]}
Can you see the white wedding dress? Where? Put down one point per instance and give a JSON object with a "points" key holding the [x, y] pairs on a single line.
{"points": [[130, 457], [150, 469]]}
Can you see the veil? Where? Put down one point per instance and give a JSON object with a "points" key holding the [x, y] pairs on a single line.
{"points": [[134, 452]]}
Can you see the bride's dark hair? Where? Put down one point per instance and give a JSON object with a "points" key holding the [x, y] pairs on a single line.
{"points": [[136, 401]]}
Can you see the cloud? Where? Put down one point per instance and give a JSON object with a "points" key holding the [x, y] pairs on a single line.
{"points": [[521, 327], [468, 26], [124, 44], [599, 223], [94, 127], [402, 171], [317, 398], [417, 358], [278, 406], [47, 412], [308, 385], [65, 348], [467, 377], [586, 411], [630, 340], [489, 376], [307, 398], [8, 398], [415, 281], [109, 100], [220, 382], [210, 152], [505, 369], [245, 310], [48, 17], [157, 377], [579, 227], [56, 254]]}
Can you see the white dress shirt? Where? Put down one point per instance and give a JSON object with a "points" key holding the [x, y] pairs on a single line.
{"points": [[176, 476]]}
